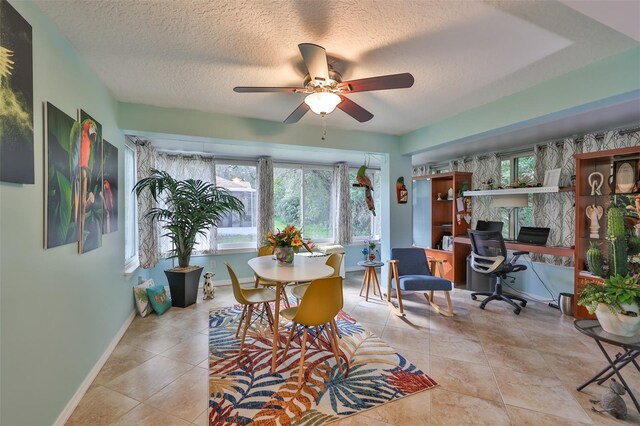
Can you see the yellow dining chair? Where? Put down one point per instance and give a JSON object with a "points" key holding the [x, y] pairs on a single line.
{"points": [[322, 302], [250, 298], [335, 261], [268, 251]]}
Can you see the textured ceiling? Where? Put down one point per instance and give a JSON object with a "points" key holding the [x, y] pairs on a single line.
{"points": [[190, 54]]}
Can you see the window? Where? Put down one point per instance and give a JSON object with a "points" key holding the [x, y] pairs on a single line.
{"points": [[130, 210], [365, 225], [515, 168], [240, 179], [303, 197]]}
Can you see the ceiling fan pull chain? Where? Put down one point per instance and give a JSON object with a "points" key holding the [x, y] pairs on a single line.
{"points": [[324, 125]]}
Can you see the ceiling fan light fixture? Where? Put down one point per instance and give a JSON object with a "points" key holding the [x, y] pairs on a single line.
{"points": [[322, 102]]}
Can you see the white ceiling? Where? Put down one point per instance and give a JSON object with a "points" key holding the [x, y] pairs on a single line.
{"points": [[191, 53]]}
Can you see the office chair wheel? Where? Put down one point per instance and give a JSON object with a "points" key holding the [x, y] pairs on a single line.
{"points": [[523, 303], [474, 297], [516, 311]]}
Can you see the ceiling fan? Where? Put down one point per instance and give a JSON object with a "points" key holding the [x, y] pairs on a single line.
{"points": [[325, 89]]}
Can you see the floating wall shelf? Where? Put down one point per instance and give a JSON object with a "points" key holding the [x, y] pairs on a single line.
{"points": [[513, 191]]}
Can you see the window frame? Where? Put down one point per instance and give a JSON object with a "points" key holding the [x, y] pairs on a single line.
{"points": [[303, 167], [238, 247], [131, 202], [514, 215]]}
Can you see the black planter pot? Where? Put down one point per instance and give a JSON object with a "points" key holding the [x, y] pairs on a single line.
{"points": [[183, 286]]}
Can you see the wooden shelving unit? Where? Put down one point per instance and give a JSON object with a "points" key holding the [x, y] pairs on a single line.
{"points": [[444, 220], [586, 164]]}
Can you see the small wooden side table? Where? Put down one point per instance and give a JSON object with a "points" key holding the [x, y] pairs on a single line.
{"points": [[370, 278]]}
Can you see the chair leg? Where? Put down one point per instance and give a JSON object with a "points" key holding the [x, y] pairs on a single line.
{"points": [[269, 314], [334, 324], [284, 296], [257, 281], [302, 350], [400, 300], [244, 311], [333, 340], [286, 348], [246, 326], [448, 312]]}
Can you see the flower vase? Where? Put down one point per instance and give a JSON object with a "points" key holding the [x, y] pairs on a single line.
{"points": [[284, 255]]}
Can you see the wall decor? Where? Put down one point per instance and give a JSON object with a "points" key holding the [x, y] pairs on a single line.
{"points": [[109, 188], [594, 213], [401, 191], [551, 177], [90, 172], [62, 182], [595, 180], [624, 176], [16, 92]]}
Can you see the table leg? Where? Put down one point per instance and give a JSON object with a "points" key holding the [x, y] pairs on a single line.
{"points": [[368, 274], [613, 366], [621, 360], [375, 278], [364, 281], [276, 328]]}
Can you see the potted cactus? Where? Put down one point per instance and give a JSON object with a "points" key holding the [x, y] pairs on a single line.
{"points": [[618, 247]]}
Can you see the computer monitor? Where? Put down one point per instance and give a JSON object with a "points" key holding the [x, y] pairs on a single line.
{"points": [[533, 235], [487, 225]]}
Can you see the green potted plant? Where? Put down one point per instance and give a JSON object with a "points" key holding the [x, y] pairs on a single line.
{"points": [[189, 208], [616, 303]]}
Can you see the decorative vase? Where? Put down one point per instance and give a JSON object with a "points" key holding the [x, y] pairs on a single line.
{"points": [[618, 324], [284, 255]]}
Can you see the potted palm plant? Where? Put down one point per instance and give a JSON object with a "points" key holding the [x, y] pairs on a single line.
{"points": [[616, 303], [188, 208]]}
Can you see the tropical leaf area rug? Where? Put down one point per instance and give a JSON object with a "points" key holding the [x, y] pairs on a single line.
{"points": [[242, 389]]}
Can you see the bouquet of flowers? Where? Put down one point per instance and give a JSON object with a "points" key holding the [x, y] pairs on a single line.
{"points": [[290, 236]]}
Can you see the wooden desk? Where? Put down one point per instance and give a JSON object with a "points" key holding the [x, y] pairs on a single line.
{"points": [[531, 248], [303, 269]]}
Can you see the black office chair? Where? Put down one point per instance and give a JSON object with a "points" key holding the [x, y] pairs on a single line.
{"points": [[489, 257]]}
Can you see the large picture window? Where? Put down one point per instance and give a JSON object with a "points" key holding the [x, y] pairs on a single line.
{"points": [[364, 224], [240, 179], [302, 196]]}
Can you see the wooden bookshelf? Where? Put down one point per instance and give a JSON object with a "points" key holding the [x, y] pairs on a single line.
{"points": [[587, 163], [444, 221]]}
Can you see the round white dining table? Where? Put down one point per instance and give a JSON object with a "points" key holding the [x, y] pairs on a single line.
{"points": [[302, 269]]}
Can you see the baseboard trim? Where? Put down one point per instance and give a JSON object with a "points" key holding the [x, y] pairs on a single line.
{"points": [[84, 386]]}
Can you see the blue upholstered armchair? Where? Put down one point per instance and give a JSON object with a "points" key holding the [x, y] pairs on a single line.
{"points": [[409, 271]]}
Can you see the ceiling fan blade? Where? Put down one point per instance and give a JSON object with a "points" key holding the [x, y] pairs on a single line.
{"points": [[354, 110], [383, 82], [267, 89], [315, 58], [297, 114]]}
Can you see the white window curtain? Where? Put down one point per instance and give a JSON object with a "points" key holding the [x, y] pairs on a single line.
{"points": [[189, 167], [342, 223], [148, 234], [265, 198]]}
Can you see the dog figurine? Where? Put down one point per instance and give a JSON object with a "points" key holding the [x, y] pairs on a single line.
{"points": [[207, 287]]}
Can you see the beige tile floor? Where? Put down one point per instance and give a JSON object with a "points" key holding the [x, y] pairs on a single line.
{"points": [[493, 367]]}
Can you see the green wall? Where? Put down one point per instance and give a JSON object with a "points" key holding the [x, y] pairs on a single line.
{"points": [[58, 310], [609, 78]]}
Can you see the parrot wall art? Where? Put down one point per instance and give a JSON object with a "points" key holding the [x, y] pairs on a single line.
{"points": [[364, 181], [88, 183]]}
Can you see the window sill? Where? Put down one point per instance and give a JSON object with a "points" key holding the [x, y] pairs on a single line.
{"points": [[130, 268]]}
